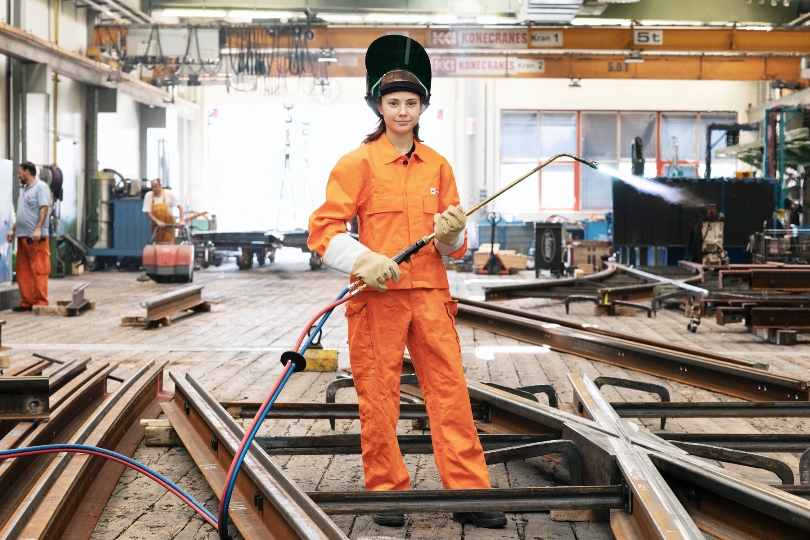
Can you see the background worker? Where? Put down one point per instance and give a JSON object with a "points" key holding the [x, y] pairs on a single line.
{"points": [[401, 190], [32, 233], [158, 205]]}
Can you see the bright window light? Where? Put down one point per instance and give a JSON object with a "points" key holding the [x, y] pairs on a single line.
{"points": [[592, 21], [196, 13], [340, 17], [403, 18], [263, 14], [444, 19], [492, 19]]}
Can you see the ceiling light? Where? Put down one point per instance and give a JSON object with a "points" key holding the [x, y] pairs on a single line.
{"points": [[195, 13], [589, 21], [340, 17], [444, 19], [398, 18], [262, 14], [634, 58], [492, 19]]}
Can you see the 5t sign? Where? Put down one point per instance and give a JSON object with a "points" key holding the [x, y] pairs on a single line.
{"points": [[648, 37]]}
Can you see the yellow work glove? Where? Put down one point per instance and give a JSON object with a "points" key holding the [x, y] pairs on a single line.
{"points": [[449, 225], [375, 269]]}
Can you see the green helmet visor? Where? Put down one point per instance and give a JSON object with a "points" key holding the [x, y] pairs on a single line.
{"points": [[396, 53]]}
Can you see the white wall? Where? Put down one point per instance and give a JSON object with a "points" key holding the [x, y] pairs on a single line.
{"points": [[118, 138]]}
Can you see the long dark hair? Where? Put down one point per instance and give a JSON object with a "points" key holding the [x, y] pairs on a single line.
{"points": [[398, 75]]}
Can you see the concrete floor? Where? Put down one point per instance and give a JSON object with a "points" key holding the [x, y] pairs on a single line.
{"points": [[233, 352]]}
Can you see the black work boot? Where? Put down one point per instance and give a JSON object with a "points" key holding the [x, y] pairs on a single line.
{"points": [[485, 520], [389, 520]]}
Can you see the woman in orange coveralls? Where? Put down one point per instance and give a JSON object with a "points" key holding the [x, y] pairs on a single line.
{"points": [[401, 190]]}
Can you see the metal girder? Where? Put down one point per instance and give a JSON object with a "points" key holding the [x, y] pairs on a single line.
{"points": [[331, 411], [770, 279], [18, 44], [539, 499], [211, 436], [349, 443], [165, 305], [721, 409], [53, 506], [23, 398], [722, 377]]}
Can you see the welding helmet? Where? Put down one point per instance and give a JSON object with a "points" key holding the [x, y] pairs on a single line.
{"points": [[395, 53]]}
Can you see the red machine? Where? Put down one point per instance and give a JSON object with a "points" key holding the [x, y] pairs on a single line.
{"points": [[170, 263]]}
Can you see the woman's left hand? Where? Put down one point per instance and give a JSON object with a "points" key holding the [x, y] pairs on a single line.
{"points": [[449, 225]]}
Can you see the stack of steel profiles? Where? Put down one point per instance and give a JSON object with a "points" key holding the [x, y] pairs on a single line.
{"points": [[652, 488], [58, 495]]}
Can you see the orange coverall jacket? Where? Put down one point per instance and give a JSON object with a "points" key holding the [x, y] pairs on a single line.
{"points": [[394, 199]]}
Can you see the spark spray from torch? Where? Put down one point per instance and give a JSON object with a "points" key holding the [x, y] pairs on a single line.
{"points": [[670, 194]]}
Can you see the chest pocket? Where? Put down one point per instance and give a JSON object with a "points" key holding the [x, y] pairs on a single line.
{"points": [[430, 204], [386, 203]]}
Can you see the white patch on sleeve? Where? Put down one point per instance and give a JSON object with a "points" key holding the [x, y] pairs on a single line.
{"points": [[342, 252], [445, 250]]}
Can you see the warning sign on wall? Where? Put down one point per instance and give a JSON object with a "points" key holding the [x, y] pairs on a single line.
{"points": [[480, 38], [485, 65]]}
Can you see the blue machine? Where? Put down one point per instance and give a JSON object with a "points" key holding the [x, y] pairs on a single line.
{"points": [[131, 230]]}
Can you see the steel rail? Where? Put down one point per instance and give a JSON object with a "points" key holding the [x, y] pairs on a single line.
{"points": [[655, 512], [673, 409], [695, 292], [266, 503], [38, 509], [611, 334], [725, 378], [782, 442], [526, 290], [30, 370], [330, 411], [70, 406], [538, 499], [165, 305]]}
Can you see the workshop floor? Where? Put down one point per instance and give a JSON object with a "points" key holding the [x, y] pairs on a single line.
{"points": [[233, 351]]}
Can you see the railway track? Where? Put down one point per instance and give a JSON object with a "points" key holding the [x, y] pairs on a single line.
{"points": [[651, 485]]}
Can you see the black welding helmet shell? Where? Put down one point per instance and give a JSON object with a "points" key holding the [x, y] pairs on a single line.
{"points": [[395, 53]]}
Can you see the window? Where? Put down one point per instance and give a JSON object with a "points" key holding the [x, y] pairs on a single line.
{"points": [[638, 125], [599, 133], [519, 136], [679, 137], [558, 134], [607, 137]]}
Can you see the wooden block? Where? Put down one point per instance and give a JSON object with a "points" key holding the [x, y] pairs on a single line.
{"points": [[134, 321], [161, 436], [579, 273], [580, 515], [785, 337], [600, 310], [624, 311], [235, 411], [321, 359], [59, 311], [159, 422], [5, 361]]}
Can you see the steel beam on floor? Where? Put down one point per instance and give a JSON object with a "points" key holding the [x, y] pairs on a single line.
{"points": [[166, 305], [735, 380], [538, 499]]}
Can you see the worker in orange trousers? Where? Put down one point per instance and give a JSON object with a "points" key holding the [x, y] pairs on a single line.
{"points": [[33, 246], [401, 190]]}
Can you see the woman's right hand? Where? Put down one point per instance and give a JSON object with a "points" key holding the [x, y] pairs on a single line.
{"points": [[375, 269]]}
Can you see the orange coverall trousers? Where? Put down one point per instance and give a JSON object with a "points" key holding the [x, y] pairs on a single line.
{"points": [[33, 267], [380, 326]]}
